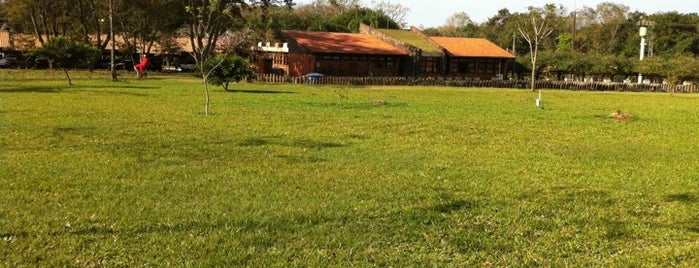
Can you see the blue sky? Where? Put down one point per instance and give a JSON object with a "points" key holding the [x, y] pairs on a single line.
{"points": [[432, 13]]}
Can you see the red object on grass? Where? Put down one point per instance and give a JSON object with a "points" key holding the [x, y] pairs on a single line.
{"points": [[142, 66]]}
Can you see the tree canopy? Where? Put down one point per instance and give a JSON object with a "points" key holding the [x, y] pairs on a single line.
{"points": [[64, 53]]}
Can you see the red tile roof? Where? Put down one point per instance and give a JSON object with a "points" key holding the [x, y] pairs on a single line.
{"points": [[4, 39], [345, 43], [471, 47]]}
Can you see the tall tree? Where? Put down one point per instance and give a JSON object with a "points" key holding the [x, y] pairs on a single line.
{"points": [[140, 26], [396, 12], [501, 30], [611, 18], [673, 33], [209, 19], [458, 24], [43, 18]]}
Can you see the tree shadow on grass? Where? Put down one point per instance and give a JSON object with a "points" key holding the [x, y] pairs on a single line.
{"points": [[686, 198], [100, 229], [32, 89], [75, 88], [301, 143], [691, 225], [452, 206], [103, 92], [266, 227], [122, 87], [255, 91], [618, 230], [683, 198], [254, 142]]}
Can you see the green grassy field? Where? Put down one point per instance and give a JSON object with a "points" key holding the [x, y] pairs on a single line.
{"points": [[132, 173]]}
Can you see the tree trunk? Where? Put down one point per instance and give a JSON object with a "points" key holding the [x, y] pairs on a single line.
{"points": [[70, 82], [206, 90], [37, 31], [533, 78]]}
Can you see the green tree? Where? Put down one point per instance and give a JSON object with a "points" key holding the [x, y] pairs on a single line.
{"points": [[459, 25], [611, 17], [673, 33], [207, 20], [267, 23], [611, 66], [575, 63], [224, 69], [42, 18], [346, 16], [350, 21], [501, 29], [142, 23], [93, 18], [674, 70], [65, 54]]}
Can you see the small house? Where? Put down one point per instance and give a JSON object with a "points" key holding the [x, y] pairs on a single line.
{"points": [[475, 58]]}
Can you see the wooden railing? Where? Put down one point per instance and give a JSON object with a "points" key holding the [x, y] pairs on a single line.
{"points": [[465, 82]]}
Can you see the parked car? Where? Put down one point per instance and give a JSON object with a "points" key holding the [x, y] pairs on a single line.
{"points": [[187, 67], [314, 77], [39, 63], [119, 65], [8, 61]]}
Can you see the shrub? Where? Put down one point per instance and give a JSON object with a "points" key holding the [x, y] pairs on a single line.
{"points": [[224, 69]]}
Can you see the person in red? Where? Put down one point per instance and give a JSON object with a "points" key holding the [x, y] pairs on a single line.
{"points": [[140, 68]]}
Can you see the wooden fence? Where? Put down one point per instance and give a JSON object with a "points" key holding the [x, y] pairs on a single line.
{"points": [[461, 82]]}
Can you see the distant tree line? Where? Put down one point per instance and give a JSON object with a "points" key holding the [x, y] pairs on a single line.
{"points": [[143, 23], [601, 41]]}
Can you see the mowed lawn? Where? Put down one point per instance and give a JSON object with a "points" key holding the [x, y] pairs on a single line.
{"points": [[132, 173]]}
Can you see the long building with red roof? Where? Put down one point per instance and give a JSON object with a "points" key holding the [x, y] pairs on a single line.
{"points": [[342, 54], [383, 52]]}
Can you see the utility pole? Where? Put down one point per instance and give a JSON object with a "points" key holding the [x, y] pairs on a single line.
{"points": [[575, 25]]}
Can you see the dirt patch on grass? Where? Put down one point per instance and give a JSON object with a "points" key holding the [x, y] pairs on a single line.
{"points": [[620, 116]]}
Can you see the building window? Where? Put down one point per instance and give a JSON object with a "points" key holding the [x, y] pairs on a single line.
{"points": [[383, 62], [471, 67], [462, 67], [488, 67], [430, 65]]}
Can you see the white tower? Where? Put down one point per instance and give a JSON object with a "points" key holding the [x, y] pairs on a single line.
{"points": [[643, 31]]}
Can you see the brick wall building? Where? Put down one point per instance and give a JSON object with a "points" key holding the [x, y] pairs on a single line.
{"points": [[383, 52]]}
